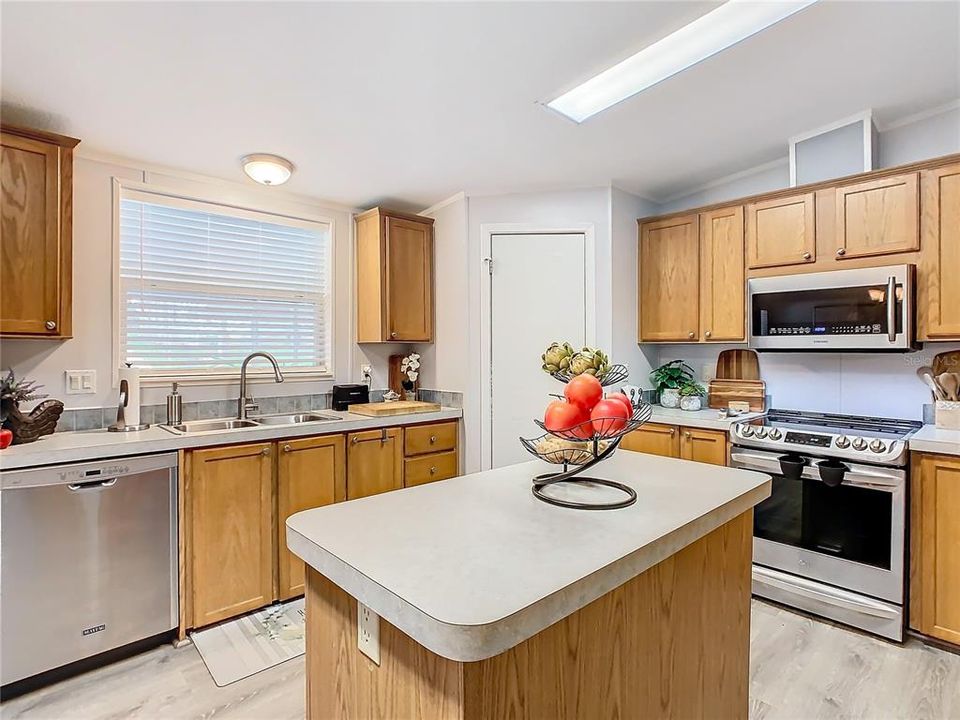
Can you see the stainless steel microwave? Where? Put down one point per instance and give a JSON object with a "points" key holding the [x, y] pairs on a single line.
{"points": [[865, 309]]}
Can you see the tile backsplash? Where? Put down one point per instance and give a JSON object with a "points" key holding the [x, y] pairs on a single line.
{"points": [[96, 418]]}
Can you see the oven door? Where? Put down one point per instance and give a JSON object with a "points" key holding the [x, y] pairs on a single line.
{"points": [[862, 309], [850, 536]]}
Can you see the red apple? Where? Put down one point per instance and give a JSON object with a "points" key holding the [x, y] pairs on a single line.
{"points": [[6, 437], [609, 417], [621, 397], [567, 419], [584, 390]]}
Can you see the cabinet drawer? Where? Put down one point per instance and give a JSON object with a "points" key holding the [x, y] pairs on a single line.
{"points": [[429, 468], [430, 438]]}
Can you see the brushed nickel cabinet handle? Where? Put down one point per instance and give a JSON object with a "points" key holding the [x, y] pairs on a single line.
{"points": [[807, 256], [287, 448], [841, 252], [50, 325]]}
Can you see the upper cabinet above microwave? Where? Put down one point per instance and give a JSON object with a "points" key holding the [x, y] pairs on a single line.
{"points": [[36, 241], [878, 217], [394, 277], [781, 231]]}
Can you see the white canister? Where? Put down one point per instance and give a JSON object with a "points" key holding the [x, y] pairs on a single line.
{"points": [[131, 412], [670, 398]]}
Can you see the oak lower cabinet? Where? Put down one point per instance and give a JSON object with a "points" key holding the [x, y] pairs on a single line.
{"points": [[706, 446], [36, 241], [229, 501], [394, 277], [781, 231], [374, 462], [311, 472], [938, 281], [935, 546], [430, 453]]}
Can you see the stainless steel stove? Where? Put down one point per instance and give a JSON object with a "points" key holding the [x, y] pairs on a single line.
{"points": [[830, 539]]}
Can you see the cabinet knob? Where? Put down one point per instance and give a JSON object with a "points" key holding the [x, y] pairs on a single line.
{"points": [[354, 440], [433, 439], [50, 325], [433, 470], [673, 431], [265, 451], [807, 256], [707, 334], [287, 448], [841, 252], [393, 334], [687, 435], [691, 334]]}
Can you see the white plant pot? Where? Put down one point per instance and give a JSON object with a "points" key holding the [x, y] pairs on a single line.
{"points": [[670, 398], [691, 402]]}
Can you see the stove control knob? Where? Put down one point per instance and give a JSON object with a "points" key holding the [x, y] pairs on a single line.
{"points": [[859, 444], [842, 442], [761, 432], [746, 431], [775, 434], [878, 446]]}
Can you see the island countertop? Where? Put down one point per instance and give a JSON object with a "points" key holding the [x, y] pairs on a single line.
{"points": [[472, 566]]}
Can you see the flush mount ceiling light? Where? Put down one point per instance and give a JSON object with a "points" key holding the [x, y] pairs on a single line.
{"points": [[267, 169], [714, 32]]}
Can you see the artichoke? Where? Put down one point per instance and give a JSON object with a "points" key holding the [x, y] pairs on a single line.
{"points": [[590, 361], [557, 357]]}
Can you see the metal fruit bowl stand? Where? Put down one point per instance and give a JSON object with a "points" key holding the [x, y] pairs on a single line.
{"points": [[580, 448]]}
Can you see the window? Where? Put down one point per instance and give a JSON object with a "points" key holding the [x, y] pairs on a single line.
{"points": [[203, 285]]}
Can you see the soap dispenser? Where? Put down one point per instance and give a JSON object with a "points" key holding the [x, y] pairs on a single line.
{"points": [[174, 407]]}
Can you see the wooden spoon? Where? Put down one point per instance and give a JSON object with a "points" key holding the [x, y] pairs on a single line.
{"points": [[950, 383], [926, 374]]}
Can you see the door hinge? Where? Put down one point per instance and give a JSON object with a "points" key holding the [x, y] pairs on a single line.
{"points": [[489, 262]]}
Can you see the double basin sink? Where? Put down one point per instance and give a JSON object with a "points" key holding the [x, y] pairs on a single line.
{"points": [[204, 426]]}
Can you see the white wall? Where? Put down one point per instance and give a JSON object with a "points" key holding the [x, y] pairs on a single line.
{"points": [[760, 179], [926, 137], [92, 344]]}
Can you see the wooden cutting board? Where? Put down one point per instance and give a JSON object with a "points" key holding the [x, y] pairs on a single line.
{"points": [[946, 362], [400, 407], [722, 392], [738, 365]]}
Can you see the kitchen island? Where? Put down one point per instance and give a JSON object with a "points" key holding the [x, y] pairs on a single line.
{"points": [[494, 604]]}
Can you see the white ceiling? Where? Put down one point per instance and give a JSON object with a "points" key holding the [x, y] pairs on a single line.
{"points": [[411, 102]]}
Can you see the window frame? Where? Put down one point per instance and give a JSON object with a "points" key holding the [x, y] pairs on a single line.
{"points": [[256, 373]]}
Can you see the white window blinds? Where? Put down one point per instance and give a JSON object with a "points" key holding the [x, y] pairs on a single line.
{"points": [[202, 286]]}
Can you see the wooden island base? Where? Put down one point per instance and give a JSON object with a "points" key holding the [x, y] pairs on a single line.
{"points": [[673, 642]]}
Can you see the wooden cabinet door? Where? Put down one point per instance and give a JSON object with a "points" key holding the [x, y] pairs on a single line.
{"points": [[409, 290], [230, 505], [938, 280], [935, 546], [30, 238], [669, 279], [311, 472], [878, 217], [706, 446], [653, 439], [781, 231], [722, 283], [374, 462]]}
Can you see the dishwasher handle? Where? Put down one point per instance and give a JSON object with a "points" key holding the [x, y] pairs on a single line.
{"points": [[92, 485]]}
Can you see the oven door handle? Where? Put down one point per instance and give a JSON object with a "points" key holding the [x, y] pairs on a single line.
{"points": [[857, 476], [837, 598]]}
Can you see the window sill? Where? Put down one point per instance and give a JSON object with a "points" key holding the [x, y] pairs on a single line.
{"points": [[232, 378]]}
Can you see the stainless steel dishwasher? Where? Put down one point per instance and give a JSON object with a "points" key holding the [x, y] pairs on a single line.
{"points": [[88, 560]]}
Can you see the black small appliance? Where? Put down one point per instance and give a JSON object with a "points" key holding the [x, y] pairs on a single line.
{"points": [[346, 395]]}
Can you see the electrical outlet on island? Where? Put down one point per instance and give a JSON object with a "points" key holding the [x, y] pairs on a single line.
{"points": [[368, 632]]}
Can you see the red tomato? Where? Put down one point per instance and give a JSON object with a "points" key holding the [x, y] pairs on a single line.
{"points": [[6, 437], [562, 415], [584, 390], [609, 417], [620, 397]]}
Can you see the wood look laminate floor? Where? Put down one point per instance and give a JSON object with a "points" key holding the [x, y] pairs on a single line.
{"points": [[801, 669]]}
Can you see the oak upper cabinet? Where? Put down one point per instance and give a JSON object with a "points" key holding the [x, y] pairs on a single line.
{"points": [[653, 439], [311, 472], [935, 546], [706, 446], [722, 283], [781, 231], [374, 462], [878, 217], [230, 530], [669, 279], [938, 280], [394, 277], [36, 239]]}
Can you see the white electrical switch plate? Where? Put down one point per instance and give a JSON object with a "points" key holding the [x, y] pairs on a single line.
{"points": [[81, 382], [368, 632]]}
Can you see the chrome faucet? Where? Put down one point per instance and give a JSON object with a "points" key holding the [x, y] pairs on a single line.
{"points": [[244, 406]]}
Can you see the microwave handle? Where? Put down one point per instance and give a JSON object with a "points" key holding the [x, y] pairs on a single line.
{"points": [[892, 309]]}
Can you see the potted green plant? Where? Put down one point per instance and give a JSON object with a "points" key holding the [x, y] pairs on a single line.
{"points": [[668, 379], [691, 396]]}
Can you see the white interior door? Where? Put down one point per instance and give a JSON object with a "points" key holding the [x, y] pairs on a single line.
{"points": [[537, 296]]}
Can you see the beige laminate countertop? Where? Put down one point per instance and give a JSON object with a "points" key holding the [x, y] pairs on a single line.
{"points": [[707, 419], [89, 445], [932, 439]]}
